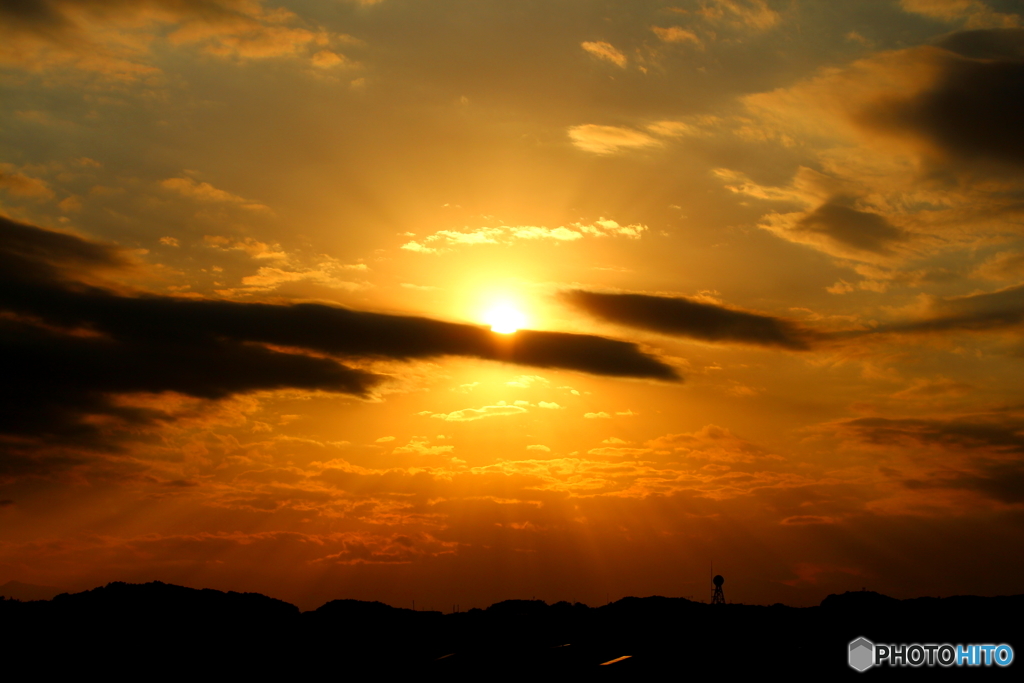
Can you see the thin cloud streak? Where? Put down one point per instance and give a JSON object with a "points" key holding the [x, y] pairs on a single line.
{"points": [[694, 319]]}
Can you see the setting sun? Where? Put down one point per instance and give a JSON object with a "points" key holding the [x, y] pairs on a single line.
{"points": [[504, 319]]}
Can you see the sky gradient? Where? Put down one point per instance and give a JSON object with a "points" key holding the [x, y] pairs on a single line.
{"points": [[768, 258]]}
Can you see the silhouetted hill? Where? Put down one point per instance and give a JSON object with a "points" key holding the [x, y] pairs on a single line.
{"points": [[16, 590], [133, 601], [137, 629], [360, 609], [124, 628], [859, 601]]}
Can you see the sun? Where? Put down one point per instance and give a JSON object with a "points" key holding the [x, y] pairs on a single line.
{"points": [[504, 319]]}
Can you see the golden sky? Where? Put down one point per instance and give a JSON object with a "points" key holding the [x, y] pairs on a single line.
{"points": [[764, 260]]}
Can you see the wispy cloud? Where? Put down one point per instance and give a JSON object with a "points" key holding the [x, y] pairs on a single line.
{"points": [[598, 139], [605, 51], [751, 14], [509, 234], [472, 414], [677, 34], [205, 192]]}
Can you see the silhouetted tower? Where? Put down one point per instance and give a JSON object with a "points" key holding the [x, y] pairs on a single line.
{"points": [[718, 597]]}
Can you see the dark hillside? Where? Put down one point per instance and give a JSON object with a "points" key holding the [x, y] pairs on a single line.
{"points": [[155, 629]]}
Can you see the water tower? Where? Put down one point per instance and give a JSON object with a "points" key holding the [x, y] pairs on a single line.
{"points": [[718, 597]]}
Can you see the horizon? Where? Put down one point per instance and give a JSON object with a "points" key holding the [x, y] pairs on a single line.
{"points": [[473, 299], [456, 608]]}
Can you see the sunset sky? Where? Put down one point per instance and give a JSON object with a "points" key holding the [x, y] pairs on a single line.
{"points": [[765, 258]]}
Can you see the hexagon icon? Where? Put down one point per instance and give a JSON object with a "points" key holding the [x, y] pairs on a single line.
{"points": [[862, 654]]}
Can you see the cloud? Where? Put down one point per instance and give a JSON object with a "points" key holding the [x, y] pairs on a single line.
{"points": [[689, 318], [268, 278], [604, 227], [916, 150], [989, 450], [976, 312], [325, 271], [69, 347], [420, 445], [254, 248], [320, 328], [325, 59], [120, 38], [712, 443], [674, 129], [598, 139], [974, 13], [597, 416], [538, 447], [837, 227], [605, 51], [986, 44], [205, 192], [34, 255], [676, 34], [1002, 266], [524, 381], [473, 414], [509, 234], [971, 113], [20, 185], [940, 387], [588, 353], [751, 14], [800, 520], [619, 452]]}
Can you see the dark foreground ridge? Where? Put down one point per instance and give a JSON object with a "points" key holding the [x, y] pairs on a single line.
{"points": [[156, 629]]}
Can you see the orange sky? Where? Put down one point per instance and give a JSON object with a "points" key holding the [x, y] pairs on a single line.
{"points": [[767, 259]]}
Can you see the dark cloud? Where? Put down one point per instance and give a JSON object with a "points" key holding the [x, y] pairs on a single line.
{"points": [[30, 11], [29, 254], [973, 112], [584, 352], [996, 43], [993, 444], [977, 312], [997, 433], [48, 14], [67, 347], [861, 230], [695, 319], [1003, 482], [342, 332], [53, 378]]}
